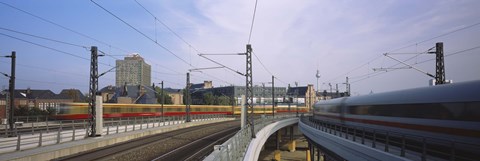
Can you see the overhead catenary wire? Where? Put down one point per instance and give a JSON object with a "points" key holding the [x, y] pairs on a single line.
{"points": [[354, 69], [45, 38], [140, 32], [380, 73], [253, 21], [184, 41], [148, 37], [413, 44], [61, 26], [435, 37], [43, 46], [166, 26], [58, 41], [266, 69]]}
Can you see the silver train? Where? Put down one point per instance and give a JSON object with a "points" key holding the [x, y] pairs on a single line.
{"points": [[448, 112]]}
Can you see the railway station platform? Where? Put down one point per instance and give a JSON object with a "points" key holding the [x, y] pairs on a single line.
{"points": [[75, 146]]}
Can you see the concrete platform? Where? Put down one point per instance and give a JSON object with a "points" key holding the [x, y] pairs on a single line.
{"points": [[68, 148]]}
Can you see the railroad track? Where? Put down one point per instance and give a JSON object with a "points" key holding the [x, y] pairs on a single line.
{"points": [[197, 150], [183, 144]]}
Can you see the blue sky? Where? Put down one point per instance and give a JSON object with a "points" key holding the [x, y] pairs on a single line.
{"points": [[291, 38]]}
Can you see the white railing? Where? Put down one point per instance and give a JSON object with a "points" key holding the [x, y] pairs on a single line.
{"points": [[49, 133], [234, 149]]}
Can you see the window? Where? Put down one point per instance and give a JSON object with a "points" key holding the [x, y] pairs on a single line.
{"points": [[465, 111]]}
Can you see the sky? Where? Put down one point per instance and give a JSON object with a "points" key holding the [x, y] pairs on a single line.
{"points": [[290, 39]]}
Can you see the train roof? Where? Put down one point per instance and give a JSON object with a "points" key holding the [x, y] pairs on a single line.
{"points": [[455, 92]]}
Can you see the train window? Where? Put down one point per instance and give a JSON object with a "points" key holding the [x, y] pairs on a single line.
{"points": [[442, 111], [115, 110], [64, 109], [145, 109]]}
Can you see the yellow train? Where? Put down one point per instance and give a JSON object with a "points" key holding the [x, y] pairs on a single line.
{"points": [[110, 110]]}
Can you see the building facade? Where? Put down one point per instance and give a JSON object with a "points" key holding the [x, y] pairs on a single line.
{"points": [[302, 96], [41, 99], [260, 94], [130, 94], [132, 71]]}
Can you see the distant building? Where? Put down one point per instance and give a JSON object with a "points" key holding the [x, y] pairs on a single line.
{"points": [[303, 96], [176, 95], [260, 95], [204, 85], [75, 94], [324, 95], [130, 94], [132, 71], [42, 99]]}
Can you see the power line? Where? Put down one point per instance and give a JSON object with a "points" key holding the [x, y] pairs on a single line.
{"points": [[354, 69], [266, 69], [432, 38], [166, 26], [262, 63], [455, 53], [63, 52], [44, 38], [126, 23], [361, 77], [179, 37], [253, 21], [71, 30], [61, 26], [435, 37], [233, 70], [54, 49]]}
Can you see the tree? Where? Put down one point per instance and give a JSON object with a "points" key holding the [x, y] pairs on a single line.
{"points": [[223, 100], [21, 111], [208, 99], [168, 99]]}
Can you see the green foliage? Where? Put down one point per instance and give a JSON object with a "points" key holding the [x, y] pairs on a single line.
{"points": [[209, 99], [21, 111], [33, 111], [224, 100], [168, 99]]}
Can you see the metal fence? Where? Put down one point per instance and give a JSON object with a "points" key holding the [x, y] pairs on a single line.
{"points": [[411, 146], [55, 132], [234, 148]]}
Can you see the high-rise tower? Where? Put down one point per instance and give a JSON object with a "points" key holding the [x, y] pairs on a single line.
{"points": [[132, 71]]}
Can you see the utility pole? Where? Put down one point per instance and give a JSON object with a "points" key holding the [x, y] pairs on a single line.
{"points": [[249, 87], [318, 76], [93, 92], [187, 99], [348, 87], [289, 102], [163, 102], [263, 96], [162, 98], [440, 66], [273, 96], [12, 89], [330, 84], [336, 88], [296, 97]]}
